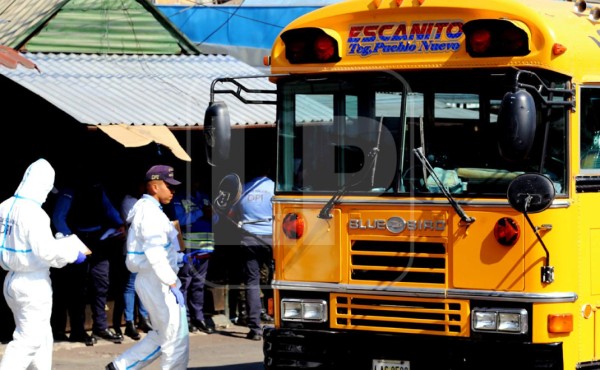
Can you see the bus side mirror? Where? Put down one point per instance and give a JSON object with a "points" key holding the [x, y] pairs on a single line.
{"points": [[531, 193], [217, 133], [516, 125]]}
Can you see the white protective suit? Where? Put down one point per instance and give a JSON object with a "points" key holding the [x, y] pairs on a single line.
{"points": [[27, 251], [152, 249]]}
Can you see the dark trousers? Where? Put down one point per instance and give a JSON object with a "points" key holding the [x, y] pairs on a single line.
{"points": [[255, 253], [69, 286], [99, 275], [235, 279], [119, 300], [99, 280], [193, 279]]}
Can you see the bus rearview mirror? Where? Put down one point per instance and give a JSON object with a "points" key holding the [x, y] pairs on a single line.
{"points": [[217, 133], [516, 125]]}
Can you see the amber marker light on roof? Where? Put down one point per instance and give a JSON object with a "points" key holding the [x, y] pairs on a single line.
{"points": [[558, 49], [560, 323]]}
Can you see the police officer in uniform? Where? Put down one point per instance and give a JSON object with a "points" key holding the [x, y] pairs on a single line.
{"points": [[86, 211]]}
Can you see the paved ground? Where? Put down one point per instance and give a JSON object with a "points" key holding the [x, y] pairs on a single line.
{"points": [[227, 349]]}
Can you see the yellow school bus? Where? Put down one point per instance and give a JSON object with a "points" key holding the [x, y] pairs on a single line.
{"points": [[437, 201]]}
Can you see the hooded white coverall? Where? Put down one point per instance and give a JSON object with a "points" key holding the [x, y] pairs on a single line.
{"points": [[152, 248], [27, 251]]}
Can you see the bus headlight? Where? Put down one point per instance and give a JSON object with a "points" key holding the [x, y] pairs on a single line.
{"points": [[500, 320], [307, 310]]}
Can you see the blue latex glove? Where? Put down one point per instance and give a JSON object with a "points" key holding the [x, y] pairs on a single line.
{"points": [[80, 258], [178, 296]]}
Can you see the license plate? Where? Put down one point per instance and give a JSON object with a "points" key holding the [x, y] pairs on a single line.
{"points": [[391, 365]]}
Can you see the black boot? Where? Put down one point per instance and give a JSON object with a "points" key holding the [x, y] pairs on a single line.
{"points": [[265, 317], [131, 331], [144, 324], [108, 335], [83, 338], [191, 327], [204, 326]]}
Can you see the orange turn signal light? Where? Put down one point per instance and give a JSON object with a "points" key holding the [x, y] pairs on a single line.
{"points": [[560, 323]]}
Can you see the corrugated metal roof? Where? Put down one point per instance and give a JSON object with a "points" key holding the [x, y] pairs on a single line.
{"points": [[172, 90], [90, 26], [18, 18]]}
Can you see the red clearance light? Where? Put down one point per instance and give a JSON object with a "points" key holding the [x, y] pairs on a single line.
{"points": [[495, 38], [506, 231], [310, 45], [293, 226]]}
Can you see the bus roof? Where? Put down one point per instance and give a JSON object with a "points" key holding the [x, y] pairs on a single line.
{"points": [[382, 35]]}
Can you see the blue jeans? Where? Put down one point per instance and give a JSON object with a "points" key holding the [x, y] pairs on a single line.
{"points": [[129, 298]]}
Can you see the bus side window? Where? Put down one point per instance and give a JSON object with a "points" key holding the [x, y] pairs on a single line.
{"points": [[590, 128]]}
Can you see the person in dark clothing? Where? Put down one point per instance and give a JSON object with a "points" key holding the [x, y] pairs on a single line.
{"points": [[69, 299], [193, 211], [86, 211]]}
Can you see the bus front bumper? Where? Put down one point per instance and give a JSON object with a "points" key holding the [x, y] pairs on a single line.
{"points": [[320, 349]]}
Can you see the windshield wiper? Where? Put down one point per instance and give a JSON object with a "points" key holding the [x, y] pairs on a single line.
{"points": [[463, 216], [325, 211], [375, 151]]}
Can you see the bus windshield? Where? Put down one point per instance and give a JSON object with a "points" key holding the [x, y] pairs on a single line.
{"points": [[359, 132]]}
